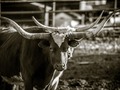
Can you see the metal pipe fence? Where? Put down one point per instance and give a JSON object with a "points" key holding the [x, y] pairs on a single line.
{"points": [[51, 13]]}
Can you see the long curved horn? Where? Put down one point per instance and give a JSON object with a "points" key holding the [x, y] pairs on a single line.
{"points": [[23, 32], [47, 27], [95, 31], [101, 25], [78, 29]]}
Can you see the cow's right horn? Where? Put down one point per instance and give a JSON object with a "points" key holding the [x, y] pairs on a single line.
{"points": [[25, 34], [51, 29]]}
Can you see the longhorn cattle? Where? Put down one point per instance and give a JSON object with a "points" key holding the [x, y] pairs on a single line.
{"points": [[40, 55]]}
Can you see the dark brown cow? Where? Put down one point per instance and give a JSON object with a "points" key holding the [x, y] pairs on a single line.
{"points": [[40, 55]]}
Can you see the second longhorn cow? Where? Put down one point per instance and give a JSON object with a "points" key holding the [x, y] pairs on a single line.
{"points": [[40, 55]]}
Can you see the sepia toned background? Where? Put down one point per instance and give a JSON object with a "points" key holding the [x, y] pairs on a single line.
{"points": [[95, 64]]}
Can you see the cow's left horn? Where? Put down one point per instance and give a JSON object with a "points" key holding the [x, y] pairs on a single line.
{"points": [[95, 31], [101, 25], [25, 34], [78, 29]]}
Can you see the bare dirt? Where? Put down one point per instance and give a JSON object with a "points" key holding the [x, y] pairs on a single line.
{"points": [[92, 72]]}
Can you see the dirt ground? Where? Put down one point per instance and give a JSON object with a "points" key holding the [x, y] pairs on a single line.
{"points": [[92, 72]]}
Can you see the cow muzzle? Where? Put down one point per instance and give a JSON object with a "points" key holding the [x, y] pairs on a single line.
{"points": [[60, 67]]}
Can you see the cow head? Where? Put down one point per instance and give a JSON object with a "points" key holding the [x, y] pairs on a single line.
{"points": [[59, 39], [60, 49]]}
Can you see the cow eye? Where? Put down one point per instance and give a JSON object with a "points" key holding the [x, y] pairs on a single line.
{"points": [[44, 43], [73, 43]]}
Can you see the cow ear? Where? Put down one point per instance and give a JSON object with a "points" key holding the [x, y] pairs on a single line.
{"points": [[44, 43], [73, 43]]}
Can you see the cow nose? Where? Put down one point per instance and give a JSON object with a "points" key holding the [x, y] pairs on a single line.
{"points": [[60, 67]]}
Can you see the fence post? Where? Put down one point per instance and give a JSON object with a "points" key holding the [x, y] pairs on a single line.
{"points": [[0, 12], [54, 8], [115, 7], [47, 8]]}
